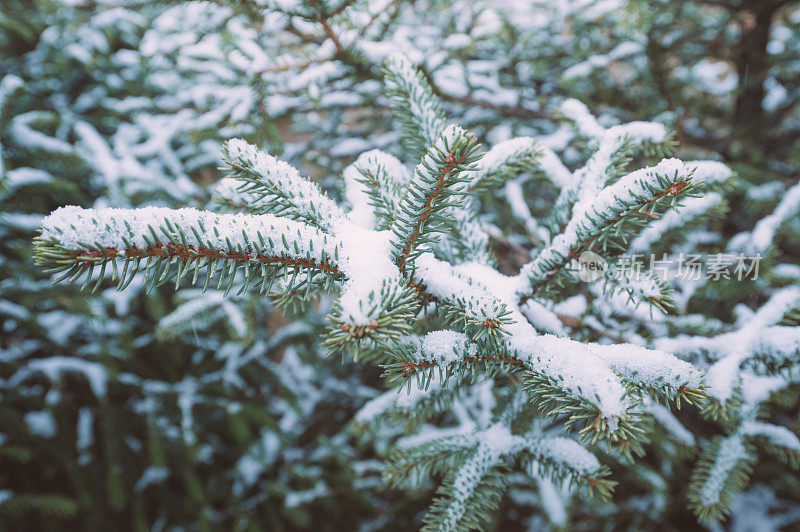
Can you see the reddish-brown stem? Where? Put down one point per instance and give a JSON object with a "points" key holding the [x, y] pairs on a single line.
{"points": [[409, 368], [673, 190], [194, 253], [427, 209], [332, 35]]}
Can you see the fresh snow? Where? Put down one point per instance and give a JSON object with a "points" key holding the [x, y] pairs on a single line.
{"points": [[761, 237], [728, 352], [80, 229], [304, 195], [366, 259], [422, 107], [589, 210], [731, 452]]}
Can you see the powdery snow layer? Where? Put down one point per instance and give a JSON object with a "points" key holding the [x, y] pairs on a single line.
{"points": [[588, 212], [648, 367], [422, 107], [578, 367], [79, 229], [283, 178], [367, 261], [761, 237]]}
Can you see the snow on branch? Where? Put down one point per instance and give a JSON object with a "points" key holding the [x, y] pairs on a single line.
{"points": [[612, 145], [414, 103], [475, 461], [580, 373], [723, 469], [614, 148], [598, 219], [636, 286], [228, 194], [725, 465], [563, 458], [690, 209], [777, 435], [413, 247], [758, 342], [511, 155], [447, 164], [588, 126], [462, 299], [710, 172], [761, 237], [24, 133], [590, 377], [653, 369], [376, 304], [76, 240], [373, 186], [414, 407], [279, 187], [473, 486]]}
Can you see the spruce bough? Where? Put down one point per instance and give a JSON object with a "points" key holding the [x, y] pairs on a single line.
{"points": [[418, 291]]}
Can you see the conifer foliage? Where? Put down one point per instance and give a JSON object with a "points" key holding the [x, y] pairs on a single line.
{"points": [[426, 305], [466, 317]]}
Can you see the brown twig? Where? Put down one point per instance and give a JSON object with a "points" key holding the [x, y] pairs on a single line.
{"points": [[194, 253]]}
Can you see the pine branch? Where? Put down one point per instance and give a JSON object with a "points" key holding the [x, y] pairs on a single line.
{"points": [[411, 408], [721, 472], [374, 185], [507, 158], [436, 180], [562, 459], [756, 345], [615, 148], [638, 286], [726, 464], [463, 303], [367, 326], [459, 361], [278, 188], [776, 440], [477, 470], [227, 193], [554, 372], [410, 466], [677, 219], [468, 498], [761, 237], [609, 218], [414, 105], [76, 242], [465, 239], [655, 372]]}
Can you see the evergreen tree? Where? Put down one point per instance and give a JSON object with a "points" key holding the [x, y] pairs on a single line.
{"points": [[519, 388]]}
